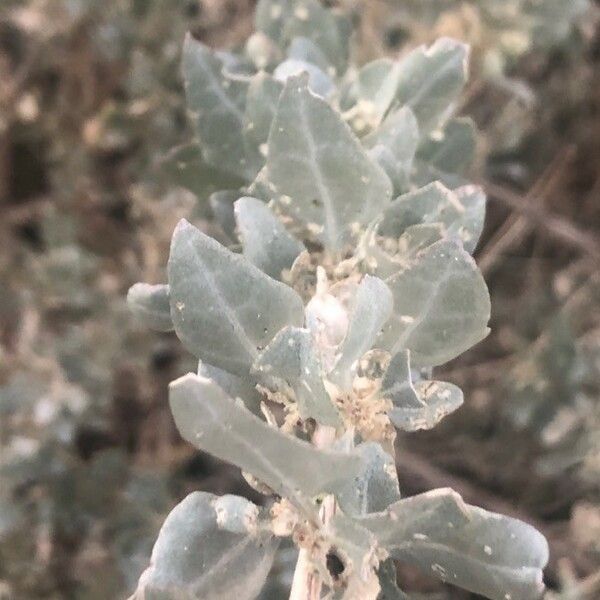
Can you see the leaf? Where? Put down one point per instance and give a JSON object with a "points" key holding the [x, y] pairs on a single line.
{"points": [[285, 20], [441, 306], [462, 212], [486, 553], [376, 88], [261, 104], [270, 17], [375, 487], [185, 166], [234, 386], [421, 405], [329, 31], [266, 242], [319, 83], [221, 204], [305, 50], [291, 357], [224, 309], [210, 420], [217, 103], [386, 256], [372, 308], [469, 227], [150, 304], [208, 549], [452, 149], [431, 79], [317, 161], [387, 582], [394, 145]]}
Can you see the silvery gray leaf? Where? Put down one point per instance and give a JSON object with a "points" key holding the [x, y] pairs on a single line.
{"points": [[376, 486], [469, 227], [221, 204], [225, 310], [461, 211], [372, 308], [203, 554], [150, 304], [270, 17], [291, 357], [185, 166], [319, 82], [387, 582], [386, 256], [452, 149], [236, 387], [285, 20], [420, 405], [261, 104], [315, 160], [305, 50], [417, 238], [397, 172], [430, 79], [266, 242], [399, 136], [210, 420], [217, 103], [376, 88], [483, 552], [441, 306]]}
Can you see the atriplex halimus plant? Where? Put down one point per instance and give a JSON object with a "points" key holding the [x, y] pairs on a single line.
{"points": [[317, 337]]}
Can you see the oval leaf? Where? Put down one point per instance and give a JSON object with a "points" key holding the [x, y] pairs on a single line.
{"points": [[207, 549], [316, 160], [266, 242], [150, 304], [225, 310], [441, 306], [210, 420], [483, 552]]}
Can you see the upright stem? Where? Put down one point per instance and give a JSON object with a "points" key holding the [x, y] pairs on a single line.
{"points": [[307, 583]]}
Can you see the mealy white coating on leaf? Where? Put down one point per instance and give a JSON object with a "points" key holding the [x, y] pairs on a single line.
{"points": [[441, 306], [225, 310], [196, 558], [210, 420], [315, 159], [266, 242], [150, 304], [291, 357], [464, 545], [372, 308]]}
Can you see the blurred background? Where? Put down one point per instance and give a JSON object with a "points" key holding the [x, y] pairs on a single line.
{"points": [[91, 102]]}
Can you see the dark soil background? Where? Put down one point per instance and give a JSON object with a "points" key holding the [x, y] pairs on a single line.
{"points": [[90, 101]]}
